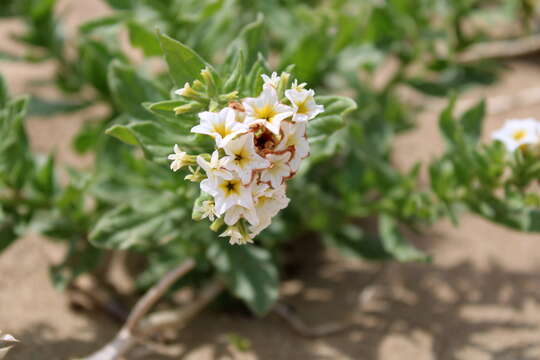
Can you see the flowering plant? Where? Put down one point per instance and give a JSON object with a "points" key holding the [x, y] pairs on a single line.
{"points": [[260, 144]]}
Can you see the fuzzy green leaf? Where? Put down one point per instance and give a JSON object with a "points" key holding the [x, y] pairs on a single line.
{"points": [[185, 65], [332, 119], [394, 242], [250, 273]]}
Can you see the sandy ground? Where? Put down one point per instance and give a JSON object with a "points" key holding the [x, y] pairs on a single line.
{"points": [[479, 299]]}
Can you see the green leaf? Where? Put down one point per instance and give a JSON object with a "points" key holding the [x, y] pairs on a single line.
{"points": [[95, 58], [251, 40], [166, 112], [332, 119], [3, 92], [234, 80], [139, 227], [130, 90], [350, 240], [44, 179], [7, 234], [447, 124], [99, 23], [15, 160], [394, 242], [144, 39], [471, 121], [432, 88], [43, 107], [249, 272], [122, 133], [185, 65], [120, 4]]}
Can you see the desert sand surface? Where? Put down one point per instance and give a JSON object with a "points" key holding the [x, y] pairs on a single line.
{"points": [[478, 299]]}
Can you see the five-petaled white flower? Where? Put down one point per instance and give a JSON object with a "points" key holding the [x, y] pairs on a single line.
{"points": [[227, 193], [179, 159], [294, 135], [242, 157], [518, 133], [214, 167], [266, 110], [279, 169], [222, 126], [303, 103]]}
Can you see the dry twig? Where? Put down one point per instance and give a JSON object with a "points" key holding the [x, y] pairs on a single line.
{"points": [[126, 337]]}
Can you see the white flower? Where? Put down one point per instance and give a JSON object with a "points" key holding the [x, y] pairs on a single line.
{"points": [[278, 170], [517, 133], [222, 126], [242, 157], [227, 193], [208, 210], [294, 134], [236, 236], [214, 167], [271, 81], [267, 205], [303, 103], [179, 159], [266, 110]]}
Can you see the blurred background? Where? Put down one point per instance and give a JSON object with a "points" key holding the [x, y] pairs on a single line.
{"points": [[478, 299]]}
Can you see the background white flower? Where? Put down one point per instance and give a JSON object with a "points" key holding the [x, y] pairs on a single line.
{"points": [[517, 133], [266, 110], [222, 126]]}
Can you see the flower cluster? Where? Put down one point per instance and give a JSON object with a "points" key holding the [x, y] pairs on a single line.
{"points": [[260, 143], [518, 134]]}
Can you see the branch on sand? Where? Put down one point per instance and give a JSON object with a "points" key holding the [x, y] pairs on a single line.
{"points": [[139, 324]]}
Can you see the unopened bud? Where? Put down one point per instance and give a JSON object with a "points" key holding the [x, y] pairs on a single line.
{"points": [[233, 95], [182, 109]]}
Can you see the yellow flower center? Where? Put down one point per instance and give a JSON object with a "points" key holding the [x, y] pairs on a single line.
{"points": [[221, 129], [302, 107], [266, 112], [241, 158], [231, 187], [519, 135]]}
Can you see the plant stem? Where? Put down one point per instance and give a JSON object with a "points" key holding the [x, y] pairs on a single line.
{"points": [[156, 292], [126, 339]]}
